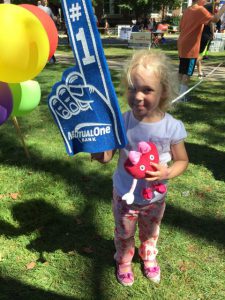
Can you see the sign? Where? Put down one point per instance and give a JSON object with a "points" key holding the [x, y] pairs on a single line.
{"points": [[84, 104], [124, 32], [140, 40]]}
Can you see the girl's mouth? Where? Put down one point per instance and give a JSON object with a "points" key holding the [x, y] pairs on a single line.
{"points": [[139, 106]]}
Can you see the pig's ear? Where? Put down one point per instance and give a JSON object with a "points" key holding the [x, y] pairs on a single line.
{"points": [[134, 157], [144, 147]]}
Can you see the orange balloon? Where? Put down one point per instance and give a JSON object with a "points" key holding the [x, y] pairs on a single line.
{"points": [[48, 25]]}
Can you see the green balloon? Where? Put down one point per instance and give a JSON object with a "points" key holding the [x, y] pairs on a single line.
{"points": [[26, 96]]}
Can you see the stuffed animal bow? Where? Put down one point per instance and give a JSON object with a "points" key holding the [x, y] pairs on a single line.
{"points": [[137, 164]]}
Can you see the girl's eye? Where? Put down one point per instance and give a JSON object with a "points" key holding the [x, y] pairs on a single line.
{"points": [[142, 167], [147, 90], [152, 157], [130, 89]]}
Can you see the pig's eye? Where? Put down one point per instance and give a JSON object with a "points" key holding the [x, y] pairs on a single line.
{"points": [[142, 167], [152, 157]]}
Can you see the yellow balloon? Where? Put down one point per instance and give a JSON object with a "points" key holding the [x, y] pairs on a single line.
{"points": [[24, 44]]}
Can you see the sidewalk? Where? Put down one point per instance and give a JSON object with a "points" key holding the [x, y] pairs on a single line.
{"points": [[116, 64]]}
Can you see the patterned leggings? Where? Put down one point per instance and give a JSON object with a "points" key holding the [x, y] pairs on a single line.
{"points": [[126, 217]]}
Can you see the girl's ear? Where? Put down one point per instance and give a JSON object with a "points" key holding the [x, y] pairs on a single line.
{"points": [[164, 94]]}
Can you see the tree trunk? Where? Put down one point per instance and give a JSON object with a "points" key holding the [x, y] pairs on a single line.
{"points": [[163, 11]]}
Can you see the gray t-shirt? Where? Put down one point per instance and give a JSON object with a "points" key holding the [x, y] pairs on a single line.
{"points": [[163, 134]]}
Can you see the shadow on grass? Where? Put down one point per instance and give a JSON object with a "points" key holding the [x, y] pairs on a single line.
{"points": [[12, 289], [56, 230], [60, 231], [204, 105], [209, 157], [204, 227]]}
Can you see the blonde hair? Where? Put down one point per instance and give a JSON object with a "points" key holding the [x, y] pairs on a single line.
{"points": [[162, 67]]}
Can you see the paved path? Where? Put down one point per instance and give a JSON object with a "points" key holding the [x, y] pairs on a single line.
{"points": [[218, 75], [118, 64]]}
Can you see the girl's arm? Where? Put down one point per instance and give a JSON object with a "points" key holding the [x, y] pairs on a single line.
{"points": [[103, 157], [180, 163]]}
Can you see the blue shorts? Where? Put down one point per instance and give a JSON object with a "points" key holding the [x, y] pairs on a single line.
{"points": [[187, 66]]}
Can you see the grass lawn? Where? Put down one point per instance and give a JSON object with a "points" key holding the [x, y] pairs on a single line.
{"points": [[56, 225]]}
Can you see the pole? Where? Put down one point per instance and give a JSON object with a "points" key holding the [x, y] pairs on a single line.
{"points": [[16, 124]]}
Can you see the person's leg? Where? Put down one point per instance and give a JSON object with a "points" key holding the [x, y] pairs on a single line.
{"points": [[149, 221], [125, 227], [184, 83], [205, 54], [186, 69], [149, 226], [199, 66], [183, 77], [52, 60]]}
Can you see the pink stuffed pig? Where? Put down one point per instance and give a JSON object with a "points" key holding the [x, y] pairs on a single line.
{"points": [[137, 164]]}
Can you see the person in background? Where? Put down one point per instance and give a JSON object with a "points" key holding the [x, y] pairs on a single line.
{"points": [[135, 26], [163, 28], [106, 28], [223, 23], [44, 6], [206, 38], [150, 24], [150, 82], [95, 17], [191, 25], [154, 24]]}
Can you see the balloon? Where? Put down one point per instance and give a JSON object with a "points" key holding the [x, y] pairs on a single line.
{"points": [[26, 96], [6, 102], [48, 24], [24, 46]]}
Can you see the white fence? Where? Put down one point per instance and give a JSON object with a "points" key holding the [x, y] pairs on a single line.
{"points": [[218, 44]]}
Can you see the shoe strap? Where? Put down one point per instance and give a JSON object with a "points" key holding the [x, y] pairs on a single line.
{"points": [[127, 275], [155, 269], [124, 265]]}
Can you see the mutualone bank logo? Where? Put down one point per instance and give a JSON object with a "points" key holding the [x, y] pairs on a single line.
{"points": [[89, 132]]}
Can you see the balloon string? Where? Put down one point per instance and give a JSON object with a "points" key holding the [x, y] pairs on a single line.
{"points": [[16, 124]]}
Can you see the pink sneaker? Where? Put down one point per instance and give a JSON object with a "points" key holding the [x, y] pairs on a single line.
{"points": [[152, 273], [125, 278]]}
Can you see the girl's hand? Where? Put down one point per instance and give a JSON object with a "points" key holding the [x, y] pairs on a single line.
{"points": [[161, 172], [103, 157], [97, 156], [179, 165]]}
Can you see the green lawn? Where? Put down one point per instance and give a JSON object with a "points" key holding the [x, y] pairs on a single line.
{"points": [[56, 225]]}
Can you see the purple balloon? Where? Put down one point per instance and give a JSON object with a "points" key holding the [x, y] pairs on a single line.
{"points": [[6, 102]]}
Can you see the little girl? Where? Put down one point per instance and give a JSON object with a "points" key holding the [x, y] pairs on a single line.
{"points": [[150, 84]]}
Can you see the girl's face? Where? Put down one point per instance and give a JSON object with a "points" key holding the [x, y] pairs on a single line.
{"points": [[145, 94]]}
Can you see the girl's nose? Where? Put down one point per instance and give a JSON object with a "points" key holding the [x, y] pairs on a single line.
{"points": [[139, 96]]}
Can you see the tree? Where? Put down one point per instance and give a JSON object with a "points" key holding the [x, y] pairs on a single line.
{"points": [[144, 7], [139, 7]]}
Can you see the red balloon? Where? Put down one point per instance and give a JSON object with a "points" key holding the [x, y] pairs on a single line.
{"points": [[48, 25]]}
